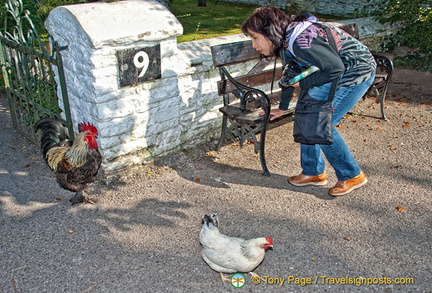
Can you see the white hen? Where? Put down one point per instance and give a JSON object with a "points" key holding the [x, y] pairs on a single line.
{"points": [[226, 254]]}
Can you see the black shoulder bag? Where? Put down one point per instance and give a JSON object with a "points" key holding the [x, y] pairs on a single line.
{"points": [[313, 118]]}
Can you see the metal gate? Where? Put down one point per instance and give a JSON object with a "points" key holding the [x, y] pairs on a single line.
{"points": [[30, 71]]}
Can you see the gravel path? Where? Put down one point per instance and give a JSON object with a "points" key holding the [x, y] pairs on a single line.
{"points": [[142, 234]]}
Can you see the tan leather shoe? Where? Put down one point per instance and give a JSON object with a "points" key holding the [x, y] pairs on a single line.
{"points": [[304, 180], [344, 187]]}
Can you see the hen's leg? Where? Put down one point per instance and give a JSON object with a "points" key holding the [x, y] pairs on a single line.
{"points": [[225, 278], [255, 275]]}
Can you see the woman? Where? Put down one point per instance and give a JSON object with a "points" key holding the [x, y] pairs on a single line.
{"points": [[274, 34]]}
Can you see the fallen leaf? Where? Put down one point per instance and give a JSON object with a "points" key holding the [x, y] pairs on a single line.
{"points": [[354, 121], [27, 165], [35, 159], [210, 154], [71, 231], [405, 126], [400, 209], [347, 238], [393, 148], [235, 144], [197, 180], [149, 172], [396, 167], [378, 127], [427, 103], [314, 259], [58, 198]]}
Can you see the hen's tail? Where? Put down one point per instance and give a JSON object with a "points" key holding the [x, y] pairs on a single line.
{"points": [[212, 219], [54, 134]]}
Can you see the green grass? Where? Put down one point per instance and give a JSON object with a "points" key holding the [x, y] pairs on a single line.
{"points": [[203, 22], [214, 20]]}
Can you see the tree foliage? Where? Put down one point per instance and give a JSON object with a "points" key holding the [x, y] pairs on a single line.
{"points": [[413, 18]]}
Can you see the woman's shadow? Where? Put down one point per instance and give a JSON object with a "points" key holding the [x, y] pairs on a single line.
{"points": [[204, 169]]}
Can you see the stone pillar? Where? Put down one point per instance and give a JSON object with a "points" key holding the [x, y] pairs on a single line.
{"points": [[120, 66]]}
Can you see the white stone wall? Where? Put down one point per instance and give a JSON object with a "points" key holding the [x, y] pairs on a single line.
{"points": [[134, 122], [151, 119]]}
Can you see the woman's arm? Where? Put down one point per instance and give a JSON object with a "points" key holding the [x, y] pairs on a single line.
{"points": [[318, 53]]}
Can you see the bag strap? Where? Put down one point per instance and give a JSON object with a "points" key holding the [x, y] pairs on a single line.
{"points": [[332, 43]]}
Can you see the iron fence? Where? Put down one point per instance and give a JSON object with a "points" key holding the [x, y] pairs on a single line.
{"points": [[30, 70]]}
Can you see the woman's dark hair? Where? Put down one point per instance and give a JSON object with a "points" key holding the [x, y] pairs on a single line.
{"points": [[271, 22], [303, 17]]}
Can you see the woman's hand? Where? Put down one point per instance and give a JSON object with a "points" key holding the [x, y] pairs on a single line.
{"points": [[275, 113]]}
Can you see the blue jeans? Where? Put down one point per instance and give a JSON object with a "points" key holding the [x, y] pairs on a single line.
{"points": [[338, 154]]}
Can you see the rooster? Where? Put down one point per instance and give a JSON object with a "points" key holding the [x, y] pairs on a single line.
{"points": [[226, 254], [76, 163]]}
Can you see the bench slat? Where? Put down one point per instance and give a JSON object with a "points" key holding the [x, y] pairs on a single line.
{"points": [[254, 80], [351, 28], [225, 54], [251, 117]]}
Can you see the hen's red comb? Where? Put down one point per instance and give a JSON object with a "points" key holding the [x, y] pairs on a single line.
{"points": [[83, 126], [269, 240]]}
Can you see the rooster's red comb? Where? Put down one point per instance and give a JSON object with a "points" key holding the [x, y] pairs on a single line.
{"points": [[83, 126]]}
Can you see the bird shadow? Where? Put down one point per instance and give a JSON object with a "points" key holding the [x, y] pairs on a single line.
{"points": [[149, 212]]}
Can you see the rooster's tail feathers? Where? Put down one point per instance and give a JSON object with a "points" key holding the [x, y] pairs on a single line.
{"points": [[54, 134], [213, 219]]}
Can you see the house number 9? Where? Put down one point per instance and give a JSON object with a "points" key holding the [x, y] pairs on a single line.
{"points": [[141, 60]]}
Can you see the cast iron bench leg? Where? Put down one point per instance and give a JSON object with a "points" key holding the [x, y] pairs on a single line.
{"points": [[383, 115], [266, 171], [223, 132]]}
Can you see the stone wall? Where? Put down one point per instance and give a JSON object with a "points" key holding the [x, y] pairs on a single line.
{"points": [[339, 7], [146, 119], [329, 7]]}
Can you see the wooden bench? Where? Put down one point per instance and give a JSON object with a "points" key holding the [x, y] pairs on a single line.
{"points": [[245, 96]]}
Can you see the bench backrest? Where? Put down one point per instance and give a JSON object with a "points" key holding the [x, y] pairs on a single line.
{"points": [[240, 52], [351, 28]]}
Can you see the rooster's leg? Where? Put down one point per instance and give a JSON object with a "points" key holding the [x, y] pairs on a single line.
{"points": [[225, 278], [80, 197]]}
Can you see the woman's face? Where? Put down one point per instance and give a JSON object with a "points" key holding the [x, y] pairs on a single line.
{"points": [[260, 43]]}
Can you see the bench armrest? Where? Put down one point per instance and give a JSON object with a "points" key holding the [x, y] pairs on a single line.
{"points": [[250, 98], [384, 64]]}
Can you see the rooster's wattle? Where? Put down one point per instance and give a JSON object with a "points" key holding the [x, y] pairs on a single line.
{"points": [[76, 163]]}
